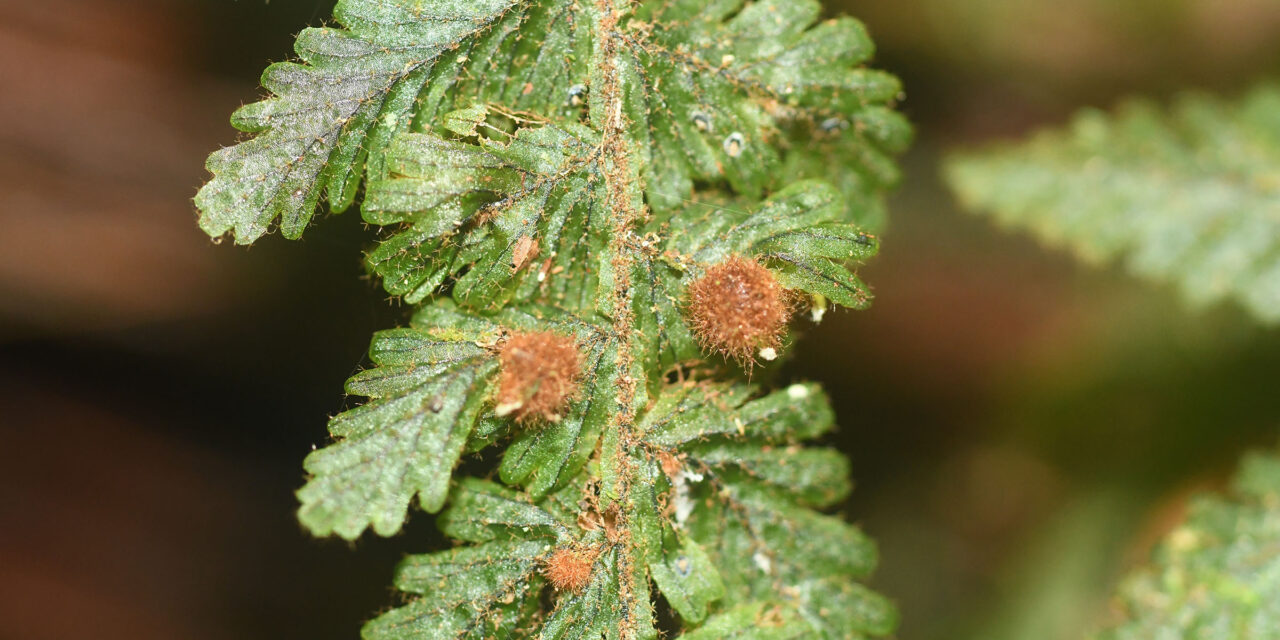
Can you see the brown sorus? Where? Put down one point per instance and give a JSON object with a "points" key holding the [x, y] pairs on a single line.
{"points": [[737, 308], [569, 568], [539, 376]]}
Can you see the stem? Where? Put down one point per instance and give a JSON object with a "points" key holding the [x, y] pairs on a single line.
{"points": [[622, 187]]}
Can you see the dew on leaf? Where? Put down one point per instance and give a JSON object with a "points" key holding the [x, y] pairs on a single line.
{"points": [[734, 144], [577, 95], [702, 121], [684, 566]]}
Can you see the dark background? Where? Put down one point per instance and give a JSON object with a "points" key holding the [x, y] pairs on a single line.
{"points": [[1022, 428]]}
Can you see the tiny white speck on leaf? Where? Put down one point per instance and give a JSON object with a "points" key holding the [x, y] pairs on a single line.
{"points": [[762, 561]]}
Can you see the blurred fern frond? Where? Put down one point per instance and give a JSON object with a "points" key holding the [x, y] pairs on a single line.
{"points": [[1189, 196], [1217, 575]]}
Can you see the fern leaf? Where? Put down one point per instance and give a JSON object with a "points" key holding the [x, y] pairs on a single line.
{"points": [[353, 89], [503, 210], [761, 540], [483, 511], [404, 443], [483, 591], [713, 109], [431, 386], [518, 541], [1189, 196], [817, 477], [544, 458], [691, 414], [541, 189], [474, 593], [720, 84], [799, 233], [753, 621], [1217, 576], [596, 612], [836, 150], [799, 230], [751, 520], [770, 537], [681, 570]]}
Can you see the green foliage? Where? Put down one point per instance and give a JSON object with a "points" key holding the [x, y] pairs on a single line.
{"points": [[799, 232], [544, 185], [695, 80], [744, 490], [428, 393], [1188, 197], [567, 168], [709, 74], [482, 591], [1216, 576], [336, 110]]}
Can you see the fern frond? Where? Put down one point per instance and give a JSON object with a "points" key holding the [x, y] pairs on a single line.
{"points": [[395, 63], [1190, 197], [754, 621], [475, 593], [722, 88], [508, 211], [488, 590], [533, 166], [433, 385], [799, 233], [712, 99], [1216, 576], [752, 512]]}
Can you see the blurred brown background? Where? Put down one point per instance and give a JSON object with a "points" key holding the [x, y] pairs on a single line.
{"points": [[1021, 427]]}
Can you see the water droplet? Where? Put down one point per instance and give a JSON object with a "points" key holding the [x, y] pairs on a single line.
{"points": [[831, 124], [734, 144], [702, 121], [763, 562], [684, 566]]}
